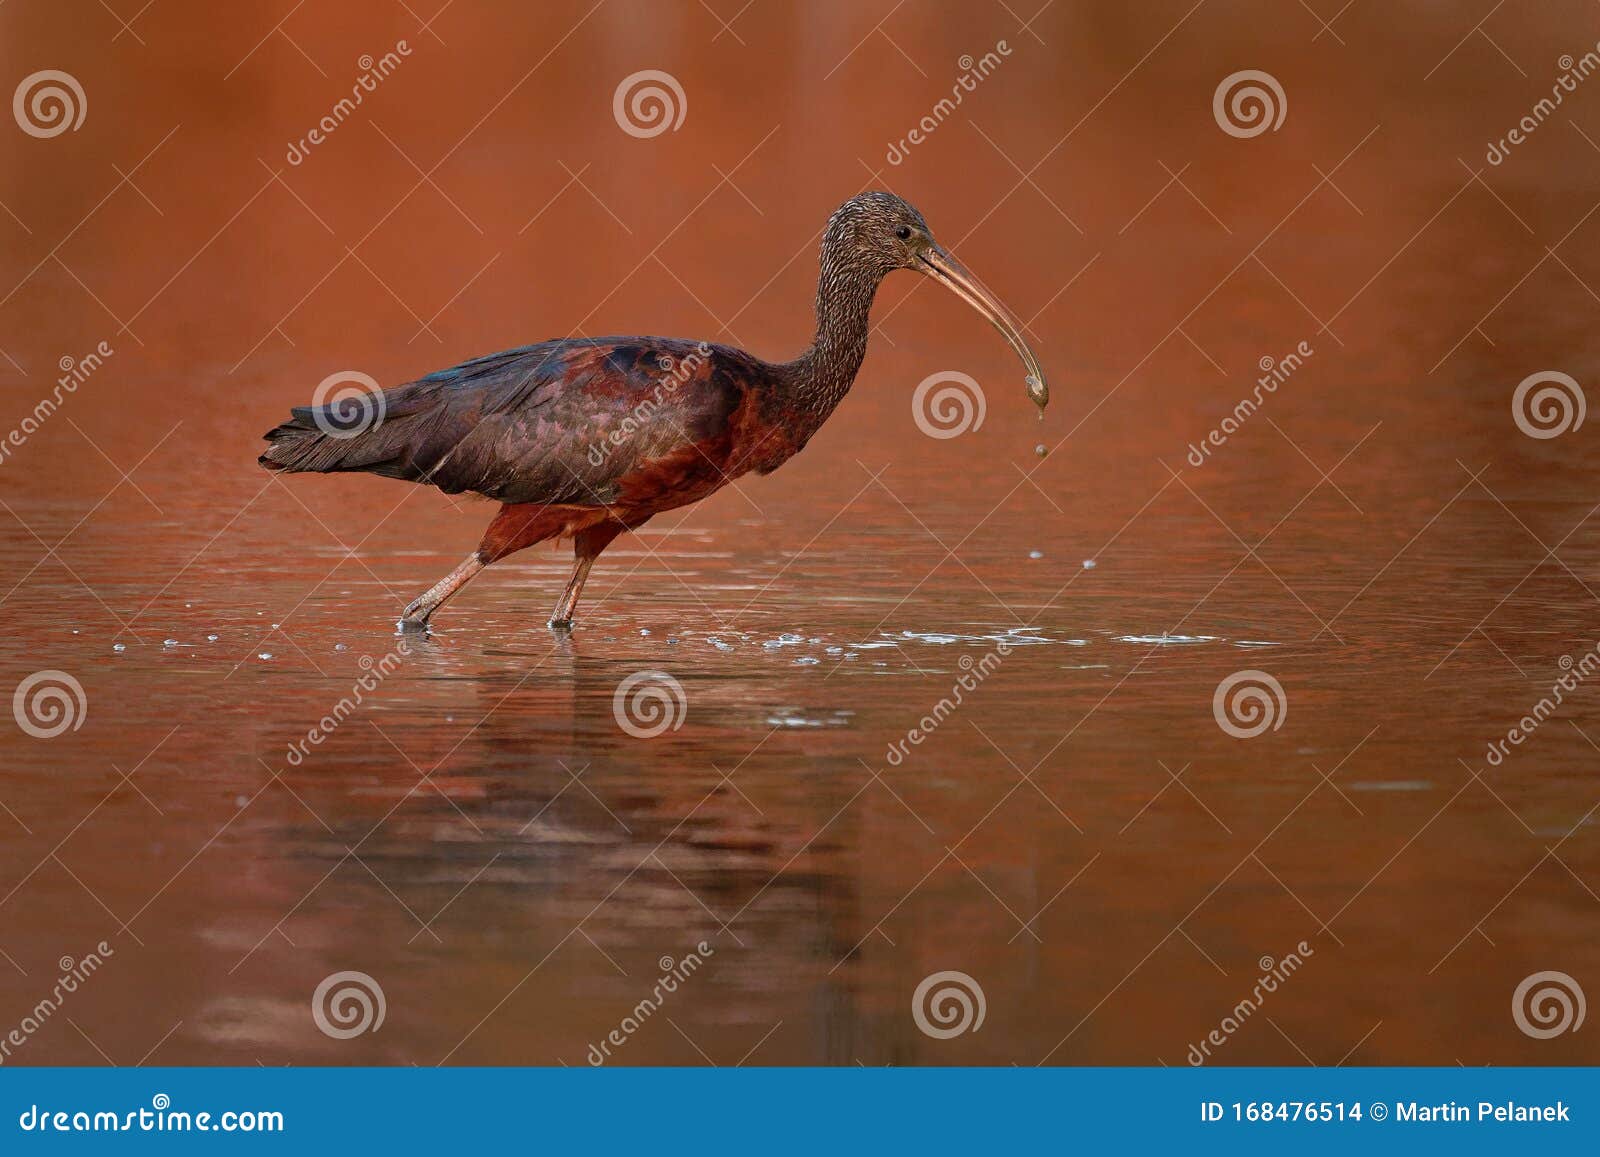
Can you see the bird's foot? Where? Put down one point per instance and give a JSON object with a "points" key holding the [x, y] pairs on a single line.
{"points": [[561, 626], [414, 619]]}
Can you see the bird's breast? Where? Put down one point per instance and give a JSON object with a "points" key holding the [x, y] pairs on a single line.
{"points": [[750, 438], [767, 432]]}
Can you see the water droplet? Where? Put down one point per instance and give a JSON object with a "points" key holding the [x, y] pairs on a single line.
{"points": [[806, 661], [1040, 450], [1088, 564], [240, 800], [644, 630], [211, 638], [1036, 554], [340, 647], [119, 646], [274, 626], [264, 656]]}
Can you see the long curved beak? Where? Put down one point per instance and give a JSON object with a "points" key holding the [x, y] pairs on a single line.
{"points": [[958, 279]]}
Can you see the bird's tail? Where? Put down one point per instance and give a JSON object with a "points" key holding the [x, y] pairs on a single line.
{"points": [[302, 445], [377, 433]]}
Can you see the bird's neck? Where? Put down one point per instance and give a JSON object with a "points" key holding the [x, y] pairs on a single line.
{"points": [[823, 374]]}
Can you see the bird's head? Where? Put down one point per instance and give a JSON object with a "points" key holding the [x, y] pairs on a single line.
{"points": [[878, 232]]}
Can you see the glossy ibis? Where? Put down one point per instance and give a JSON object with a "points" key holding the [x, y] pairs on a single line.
{"points": [[585, 438]]}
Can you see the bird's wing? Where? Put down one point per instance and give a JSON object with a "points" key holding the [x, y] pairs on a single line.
{"points": [[565, 422]]}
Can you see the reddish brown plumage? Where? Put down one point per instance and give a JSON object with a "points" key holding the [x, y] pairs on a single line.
{"points": [[524, 524], [586, 438]]}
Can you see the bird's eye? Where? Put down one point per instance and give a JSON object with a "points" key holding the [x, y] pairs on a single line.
{"points": [[904, 233]]}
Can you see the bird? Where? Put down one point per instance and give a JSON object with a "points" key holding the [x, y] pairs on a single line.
{"points": [[585, 438]]}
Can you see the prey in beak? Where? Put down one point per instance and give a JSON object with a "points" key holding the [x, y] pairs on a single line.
{"points": [[938, 264]]}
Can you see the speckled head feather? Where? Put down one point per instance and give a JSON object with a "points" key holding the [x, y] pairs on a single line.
{"points": [[874, 232], [867, 238]]}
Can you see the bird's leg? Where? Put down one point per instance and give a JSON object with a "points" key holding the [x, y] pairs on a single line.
{"points": [[562, 615], [416, 615], [586, 547]]}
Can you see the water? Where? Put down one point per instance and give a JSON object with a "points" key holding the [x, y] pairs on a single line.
{"points": [[483, 837], [480, 833]]}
